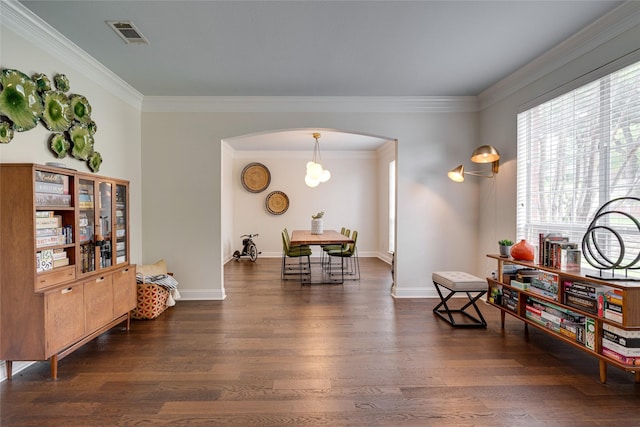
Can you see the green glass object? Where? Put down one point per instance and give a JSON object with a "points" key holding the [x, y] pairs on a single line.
{"points": [[59, 145], [81, 142], [19, 100], [62, 82], [6, 132], [57, 115], [95, 161], [42, 82], [81, 109]]}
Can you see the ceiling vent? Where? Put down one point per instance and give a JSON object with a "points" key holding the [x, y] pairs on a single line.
{"points": [[128, 32]]}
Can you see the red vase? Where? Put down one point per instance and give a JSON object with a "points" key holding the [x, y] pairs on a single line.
{"points": [[523, 251]]}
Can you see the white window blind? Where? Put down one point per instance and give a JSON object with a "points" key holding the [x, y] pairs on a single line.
{"points": [[577, 152]]}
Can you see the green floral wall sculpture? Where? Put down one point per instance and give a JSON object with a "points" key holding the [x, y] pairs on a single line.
{"points": [[25, 101]]}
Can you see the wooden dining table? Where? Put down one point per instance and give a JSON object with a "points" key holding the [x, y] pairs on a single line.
{"points": [[328, 237]]}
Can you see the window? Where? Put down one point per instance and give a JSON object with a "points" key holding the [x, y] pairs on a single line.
{"points": [[577, 152], [392, 205]]}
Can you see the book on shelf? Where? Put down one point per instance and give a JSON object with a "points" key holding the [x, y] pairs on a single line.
{"points": [[51, 177], [59, 253], [590, 333], [620, 358], [50, 241], [620, 349], [45, 199], [581, 302], [46, 232], [85, 200], [50, 222], [628, 334], [612, 315], [44, 260], [51, 188], [60, 262], [45, 214]]}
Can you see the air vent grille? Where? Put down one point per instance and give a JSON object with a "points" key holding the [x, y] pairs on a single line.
{"points": [[128, 32]]}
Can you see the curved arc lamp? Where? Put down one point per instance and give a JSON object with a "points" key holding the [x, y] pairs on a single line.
{"points": [[482, 154]]}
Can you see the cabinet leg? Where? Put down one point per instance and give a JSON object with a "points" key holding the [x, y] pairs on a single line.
{"points": [[8, 364], [128, 321], [603, 371], [54, 367], [502, 316], [636, 377]]}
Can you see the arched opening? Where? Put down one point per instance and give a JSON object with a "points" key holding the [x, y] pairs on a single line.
{"points": [[357, 193]]}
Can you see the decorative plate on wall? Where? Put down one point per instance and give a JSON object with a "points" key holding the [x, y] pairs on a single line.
{"points": [[277, 203], [255, 177]]}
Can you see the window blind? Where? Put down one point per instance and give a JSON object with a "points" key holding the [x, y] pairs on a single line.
{"points": [[575, 153]]}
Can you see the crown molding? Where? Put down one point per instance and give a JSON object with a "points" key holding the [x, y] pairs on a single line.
{"points": [[19, 19], [616, 22], [309, 104]]}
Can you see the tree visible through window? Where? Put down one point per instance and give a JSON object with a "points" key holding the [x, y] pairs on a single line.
{"points": [[575, 153]]}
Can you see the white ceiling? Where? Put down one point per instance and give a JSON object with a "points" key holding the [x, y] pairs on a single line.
{"points": [[319, 48]]}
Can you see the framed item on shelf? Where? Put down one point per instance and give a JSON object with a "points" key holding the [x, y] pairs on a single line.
{"points": [[255, 177]]}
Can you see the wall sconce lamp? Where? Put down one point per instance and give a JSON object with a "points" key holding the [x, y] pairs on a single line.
{"points": [[315, 172], [482, 154]]}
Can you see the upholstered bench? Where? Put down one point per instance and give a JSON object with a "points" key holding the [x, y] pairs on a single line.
{"points": [[455, 282]]}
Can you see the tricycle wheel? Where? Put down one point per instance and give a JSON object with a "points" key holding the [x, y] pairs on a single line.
{"points": [[253, 253], [236, 255]]}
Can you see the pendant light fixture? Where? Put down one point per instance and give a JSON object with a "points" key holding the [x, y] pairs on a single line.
{"points": [[315, 173]]}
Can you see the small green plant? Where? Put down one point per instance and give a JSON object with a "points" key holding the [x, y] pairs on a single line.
{"points": [[505, 242], [318, 215]]}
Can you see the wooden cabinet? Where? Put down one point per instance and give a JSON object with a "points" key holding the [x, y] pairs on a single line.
{"points": [[588, 313], [65, 276]]}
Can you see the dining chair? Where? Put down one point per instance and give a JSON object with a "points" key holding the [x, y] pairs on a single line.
{"points": [[297, 251], [350, 254]]}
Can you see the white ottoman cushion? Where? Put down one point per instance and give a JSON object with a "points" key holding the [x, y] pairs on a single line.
{"points": [[459, 281]]}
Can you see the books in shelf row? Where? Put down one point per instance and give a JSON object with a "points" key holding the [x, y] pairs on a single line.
{"points": [[556, 251], [52, 189], [50, 231], [600, 300], [48, 259], [562, 321], [621, 345]]}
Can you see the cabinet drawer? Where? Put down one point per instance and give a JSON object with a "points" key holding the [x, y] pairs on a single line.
{"points": [[124, 291], [55, 277], [98, 302], [64, 318]]}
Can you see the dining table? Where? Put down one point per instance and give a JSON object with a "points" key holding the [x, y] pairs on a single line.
{"points": [[328, 237]]}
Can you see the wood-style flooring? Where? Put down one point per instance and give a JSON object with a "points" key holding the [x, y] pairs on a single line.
{"points": [[281, 354]]}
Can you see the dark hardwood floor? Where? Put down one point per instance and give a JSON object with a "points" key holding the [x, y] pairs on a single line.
{"points": [[277, 353]]}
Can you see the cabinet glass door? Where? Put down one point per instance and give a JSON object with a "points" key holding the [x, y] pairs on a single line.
{"points": [[120, 227], [104, 240], [86, 225]]}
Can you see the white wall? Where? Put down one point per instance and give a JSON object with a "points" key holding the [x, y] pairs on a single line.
{"points": [[181, 163], [349, 198]]}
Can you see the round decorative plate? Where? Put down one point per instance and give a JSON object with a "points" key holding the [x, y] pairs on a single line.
{"points": [[277, 203], [255, 177], [57, 113]]}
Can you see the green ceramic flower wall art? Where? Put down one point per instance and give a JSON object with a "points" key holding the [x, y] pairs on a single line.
{"points": [[19, 100], [24, 101], [6, 133]]}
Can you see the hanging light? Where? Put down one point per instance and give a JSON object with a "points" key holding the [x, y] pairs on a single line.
{"points": [[315, 172]]}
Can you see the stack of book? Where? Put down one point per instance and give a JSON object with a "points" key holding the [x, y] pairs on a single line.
{"points": [[613, 305], [556, 251], [52, 189], [557, 319], [588, 297], [510, 299], [621, 345], [60, 258], [49, 229], [545, 284]]}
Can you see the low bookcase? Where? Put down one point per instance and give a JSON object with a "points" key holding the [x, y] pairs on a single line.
{"points": [[599, 317]]}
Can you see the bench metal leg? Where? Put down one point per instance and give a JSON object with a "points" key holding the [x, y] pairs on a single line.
{"points": [[478, 321]]}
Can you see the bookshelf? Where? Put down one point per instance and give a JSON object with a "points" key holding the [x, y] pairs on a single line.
{"points": [[599, 317], [65, 276]]}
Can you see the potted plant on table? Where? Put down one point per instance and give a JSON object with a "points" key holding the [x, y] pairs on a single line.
{"points": [[505, 247]]}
